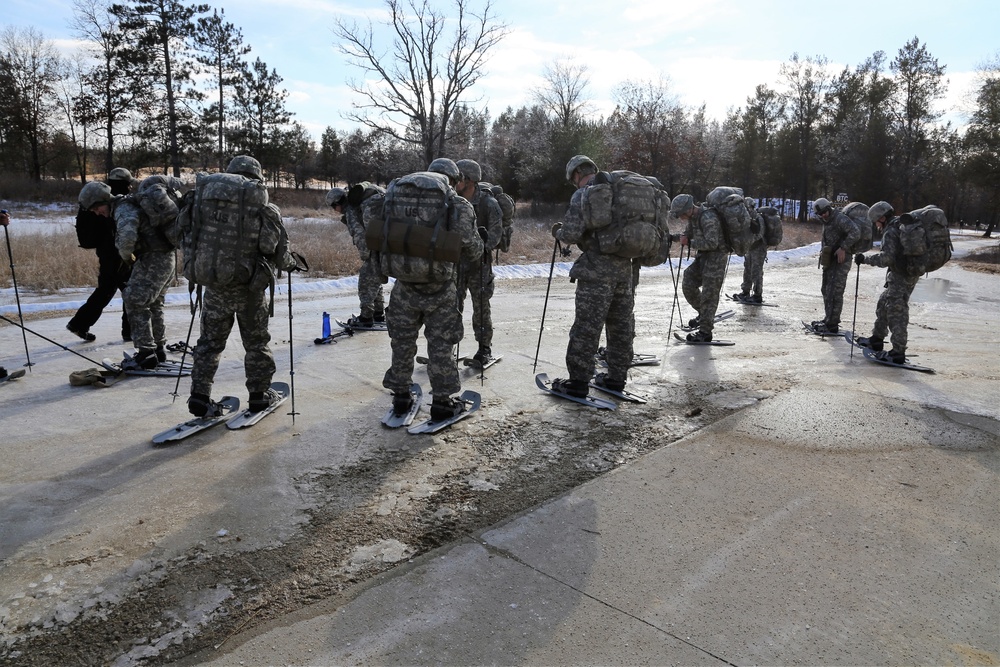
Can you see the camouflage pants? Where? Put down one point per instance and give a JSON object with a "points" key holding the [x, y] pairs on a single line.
{"points": [[477, 279], [834, 282], [753, 269], [370, 290], [600, 306], [409, 309], [143, 298], [220, 307], [702, 283], [892, 313]]}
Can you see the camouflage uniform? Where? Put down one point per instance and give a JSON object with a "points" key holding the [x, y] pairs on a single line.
{"points": [[476, 276], [604, 300], [838, 232], [249, 307], [892, 313], [753, 269], [370, 279], [435, 307], [151, 274], [703, 278]]}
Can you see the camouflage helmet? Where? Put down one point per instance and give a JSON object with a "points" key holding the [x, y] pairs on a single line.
{"points": [[95, 193], [879, 209], [470, 169], [575, 163], [443, 165], [680, 205], [246, 166], [336, 196], [822, 205], [750, 202], [120, 174]]}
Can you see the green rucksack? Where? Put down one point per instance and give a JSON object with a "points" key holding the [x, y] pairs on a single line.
{"points": [[924, 240], [627, 216], [772, 225], [858, 214], [410, 229], [728, 202]]}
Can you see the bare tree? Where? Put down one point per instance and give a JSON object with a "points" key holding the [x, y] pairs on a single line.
{"points": [[564, 94], [420, 83], [643, 120], [31, 68]]}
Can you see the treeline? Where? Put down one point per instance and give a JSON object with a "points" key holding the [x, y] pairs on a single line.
{"points": [[132, 98]]}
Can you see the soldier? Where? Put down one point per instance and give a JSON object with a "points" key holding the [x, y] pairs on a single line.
{"points": [[892, 313], [370, 280], [604, 296], [752, 289], [430, 300], [241, 295], [477, 276], [703, 278], [839, 235], [98, 232]]}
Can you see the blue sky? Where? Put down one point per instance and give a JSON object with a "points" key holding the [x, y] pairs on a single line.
{"points": [[712, 51]]}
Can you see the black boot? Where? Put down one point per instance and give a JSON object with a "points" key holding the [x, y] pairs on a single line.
{"points": [[575, 388], [446, 408], [873, 343], [483, 355], [700, 337], [161, 353], [81, 333], [262, 400], [200, 405], [146, 359], [402, 402], [602, 380]]}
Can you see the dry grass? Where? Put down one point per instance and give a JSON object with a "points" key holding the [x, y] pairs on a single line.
{"points": [[983, 260], [46, 262]]}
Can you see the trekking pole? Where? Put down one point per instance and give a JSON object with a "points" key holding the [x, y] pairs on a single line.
{"points": [[854, 321], [187, 341], [541, 327], [291, 351], [24, 328], [482, 315], [17, 296], [673, 307]]}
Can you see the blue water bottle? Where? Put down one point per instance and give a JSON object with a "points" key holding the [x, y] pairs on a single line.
{"points": [[326, 325]]}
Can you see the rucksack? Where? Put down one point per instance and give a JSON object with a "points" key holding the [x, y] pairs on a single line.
{"points": [[925, 242], [159, 196], [220, 228], [627, 217], [858, 214], [729, 204], [410, 229], [509, 209], [772, 225]]}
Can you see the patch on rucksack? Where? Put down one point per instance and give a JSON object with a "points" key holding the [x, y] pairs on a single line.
{"points": [[728, 202], [627, 216], [858, 214], [220, 230], [924, 240], [772, 225], [410, 229]]}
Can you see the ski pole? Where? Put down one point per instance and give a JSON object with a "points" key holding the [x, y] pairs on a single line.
{"points": [[673, 307], [17, 296], [854, 321], [187, 341], [482, 315], [291, 351], [541, 327], [24, 328]]}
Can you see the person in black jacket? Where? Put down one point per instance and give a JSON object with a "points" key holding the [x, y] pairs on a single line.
{"points": [[98, 232]]}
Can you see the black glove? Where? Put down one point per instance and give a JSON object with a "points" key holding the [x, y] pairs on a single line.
{"points": [[555, 229], [300, 262], [484, 233], [859, 259]]}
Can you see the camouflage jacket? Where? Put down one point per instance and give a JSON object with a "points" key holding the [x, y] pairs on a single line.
{"points": [[840, 232]]}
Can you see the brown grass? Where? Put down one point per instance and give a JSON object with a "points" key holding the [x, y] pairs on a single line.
{"points": [[983, 260], [46, 262]]}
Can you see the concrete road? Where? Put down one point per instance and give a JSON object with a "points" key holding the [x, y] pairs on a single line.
{"points": [[777, 502]]}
